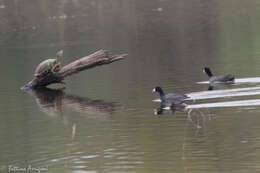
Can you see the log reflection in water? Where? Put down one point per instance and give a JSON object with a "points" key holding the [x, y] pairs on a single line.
{"points": [[53, 102]]}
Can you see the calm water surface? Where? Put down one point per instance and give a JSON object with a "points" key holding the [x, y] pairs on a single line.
{"points": [[104, 120]]}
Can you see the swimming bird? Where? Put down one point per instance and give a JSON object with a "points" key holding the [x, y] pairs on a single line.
{"points": [[172, 98], [224, 79]]}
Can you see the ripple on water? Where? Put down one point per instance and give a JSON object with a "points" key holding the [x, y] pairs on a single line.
{"points": [[240, 80], [83, 171]]}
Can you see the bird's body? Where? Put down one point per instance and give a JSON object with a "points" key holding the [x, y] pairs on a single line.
{"points": [[171, 98], [222, 79], [225, 79], [174, 97]]}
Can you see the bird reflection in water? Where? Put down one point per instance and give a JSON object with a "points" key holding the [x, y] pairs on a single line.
{"points": [[195, 116], [172, 108], [214, 85]]}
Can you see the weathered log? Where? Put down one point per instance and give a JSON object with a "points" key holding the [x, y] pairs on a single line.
{"points": [[98, 58]]}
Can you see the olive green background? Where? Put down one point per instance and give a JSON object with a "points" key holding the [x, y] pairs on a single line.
{"points": [[105, 122]]}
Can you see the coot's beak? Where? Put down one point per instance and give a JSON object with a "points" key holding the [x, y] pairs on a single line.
{"points": [[204, 71], [153, 90]]}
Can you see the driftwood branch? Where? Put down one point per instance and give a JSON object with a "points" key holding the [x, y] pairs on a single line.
{"points": [[98, 58]]}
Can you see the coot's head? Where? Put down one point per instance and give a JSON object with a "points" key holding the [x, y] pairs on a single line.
{"points": [[208, 71], [159, 90]]}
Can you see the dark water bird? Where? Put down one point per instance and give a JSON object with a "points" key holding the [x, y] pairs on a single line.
{"points": [[172, 98], [224, 79]]}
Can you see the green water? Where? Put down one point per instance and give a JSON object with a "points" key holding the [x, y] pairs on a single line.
{"points": [[104, 120]]}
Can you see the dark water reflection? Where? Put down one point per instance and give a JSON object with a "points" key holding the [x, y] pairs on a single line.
{"points": [[104, 121], [172, 107], [53, 101]]}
